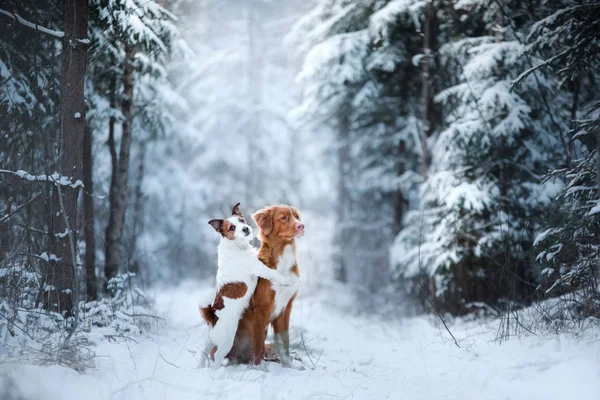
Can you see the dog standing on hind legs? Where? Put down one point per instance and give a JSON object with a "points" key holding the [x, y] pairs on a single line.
{"points": [[237, 276]]}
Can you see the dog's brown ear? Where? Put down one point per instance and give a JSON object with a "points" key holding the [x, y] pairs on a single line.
{"points": [[295, 213], [217, 224], [236, 211], [264, 220]]}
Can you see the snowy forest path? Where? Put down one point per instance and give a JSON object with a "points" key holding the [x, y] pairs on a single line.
{"points": [[344, 356], [349, 356]]}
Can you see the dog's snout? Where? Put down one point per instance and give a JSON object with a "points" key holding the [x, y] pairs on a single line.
{"points": [[300, 226], [246, 230]]}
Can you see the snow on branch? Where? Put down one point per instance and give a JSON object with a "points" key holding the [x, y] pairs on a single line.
{"points": [[55, 178], [31, 25], [529, 71]]}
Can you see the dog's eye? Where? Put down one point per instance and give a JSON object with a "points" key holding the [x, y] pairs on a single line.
{"points": [[242, 220], [284, 218], [232, 228]]}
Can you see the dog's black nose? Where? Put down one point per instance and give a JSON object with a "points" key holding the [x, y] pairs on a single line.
{"points": [[246, 230]]}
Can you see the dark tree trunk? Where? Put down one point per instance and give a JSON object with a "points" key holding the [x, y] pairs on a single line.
{"points": [[88, 218], [425, 88], [118, 202], [138, 211], [60, 278], [399, 200], [112, 147], [598, 160], [574, 109], [343, 201]]}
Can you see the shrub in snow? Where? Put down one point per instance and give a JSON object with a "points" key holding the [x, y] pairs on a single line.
{"points": [[126, 311], [44, 337]]}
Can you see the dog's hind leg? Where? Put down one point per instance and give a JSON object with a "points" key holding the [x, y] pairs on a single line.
{"points": [[206, 352], [222, 350]]}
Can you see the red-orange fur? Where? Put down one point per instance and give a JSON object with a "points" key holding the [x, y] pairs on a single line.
{"points": [[208, 313], [275, 234]]}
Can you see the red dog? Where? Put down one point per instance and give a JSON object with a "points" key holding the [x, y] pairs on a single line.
{"points": [[271, 303]]}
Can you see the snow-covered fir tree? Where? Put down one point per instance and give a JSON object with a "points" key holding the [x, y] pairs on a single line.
{"points": [[29, 138], [361, 84], [567, 39], [483, 199]]}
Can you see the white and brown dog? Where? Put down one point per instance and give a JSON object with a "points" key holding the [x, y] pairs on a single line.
{"points": [[237, 276]]}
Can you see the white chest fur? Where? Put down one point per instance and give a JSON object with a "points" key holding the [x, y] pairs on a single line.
{"points": [[234, 263], [283, 294]]}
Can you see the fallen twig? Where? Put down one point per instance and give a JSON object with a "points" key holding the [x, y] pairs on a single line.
{"points": [[168, 362], [143, 315]]}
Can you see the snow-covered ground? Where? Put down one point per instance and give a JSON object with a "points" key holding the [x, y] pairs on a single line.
{"points": [[346, 357]]}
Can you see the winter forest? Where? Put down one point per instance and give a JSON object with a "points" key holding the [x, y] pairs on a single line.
{"points": [[444, 156]]}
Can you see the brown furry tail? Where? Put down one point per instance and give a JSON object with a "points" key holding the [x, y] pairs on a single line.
{"points": [[208, 313]]}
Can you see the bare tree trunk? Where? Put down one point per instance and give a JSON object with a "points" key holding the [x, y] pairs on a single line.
{"points": [[343, 200], [138, 211], [598, 158], [88, 218], [399, 199], [425, 89], [114, 170], [118, 202], [111, 134], [62, 288]]}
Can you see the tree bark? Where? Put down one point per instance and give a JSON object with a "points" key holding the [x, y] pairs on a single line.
{"points": [[597, 126], [138, 211], [114, 171], [111, 133], [425, 89], [343, 206], [399, 200], [88, 218], [60, 279], [574, 109], [118, 202]]}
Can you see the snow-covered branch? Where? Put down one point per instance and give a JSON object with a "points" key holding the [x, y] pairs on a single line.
{"points": [[55, 178], [31, 25], [531, 70]]}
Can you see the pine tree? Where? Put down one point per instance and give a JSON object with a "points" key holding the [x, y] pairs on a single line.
{"points": [[34, 99], [567, 38], [360, 81], [482, 201], [30, 106]]}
